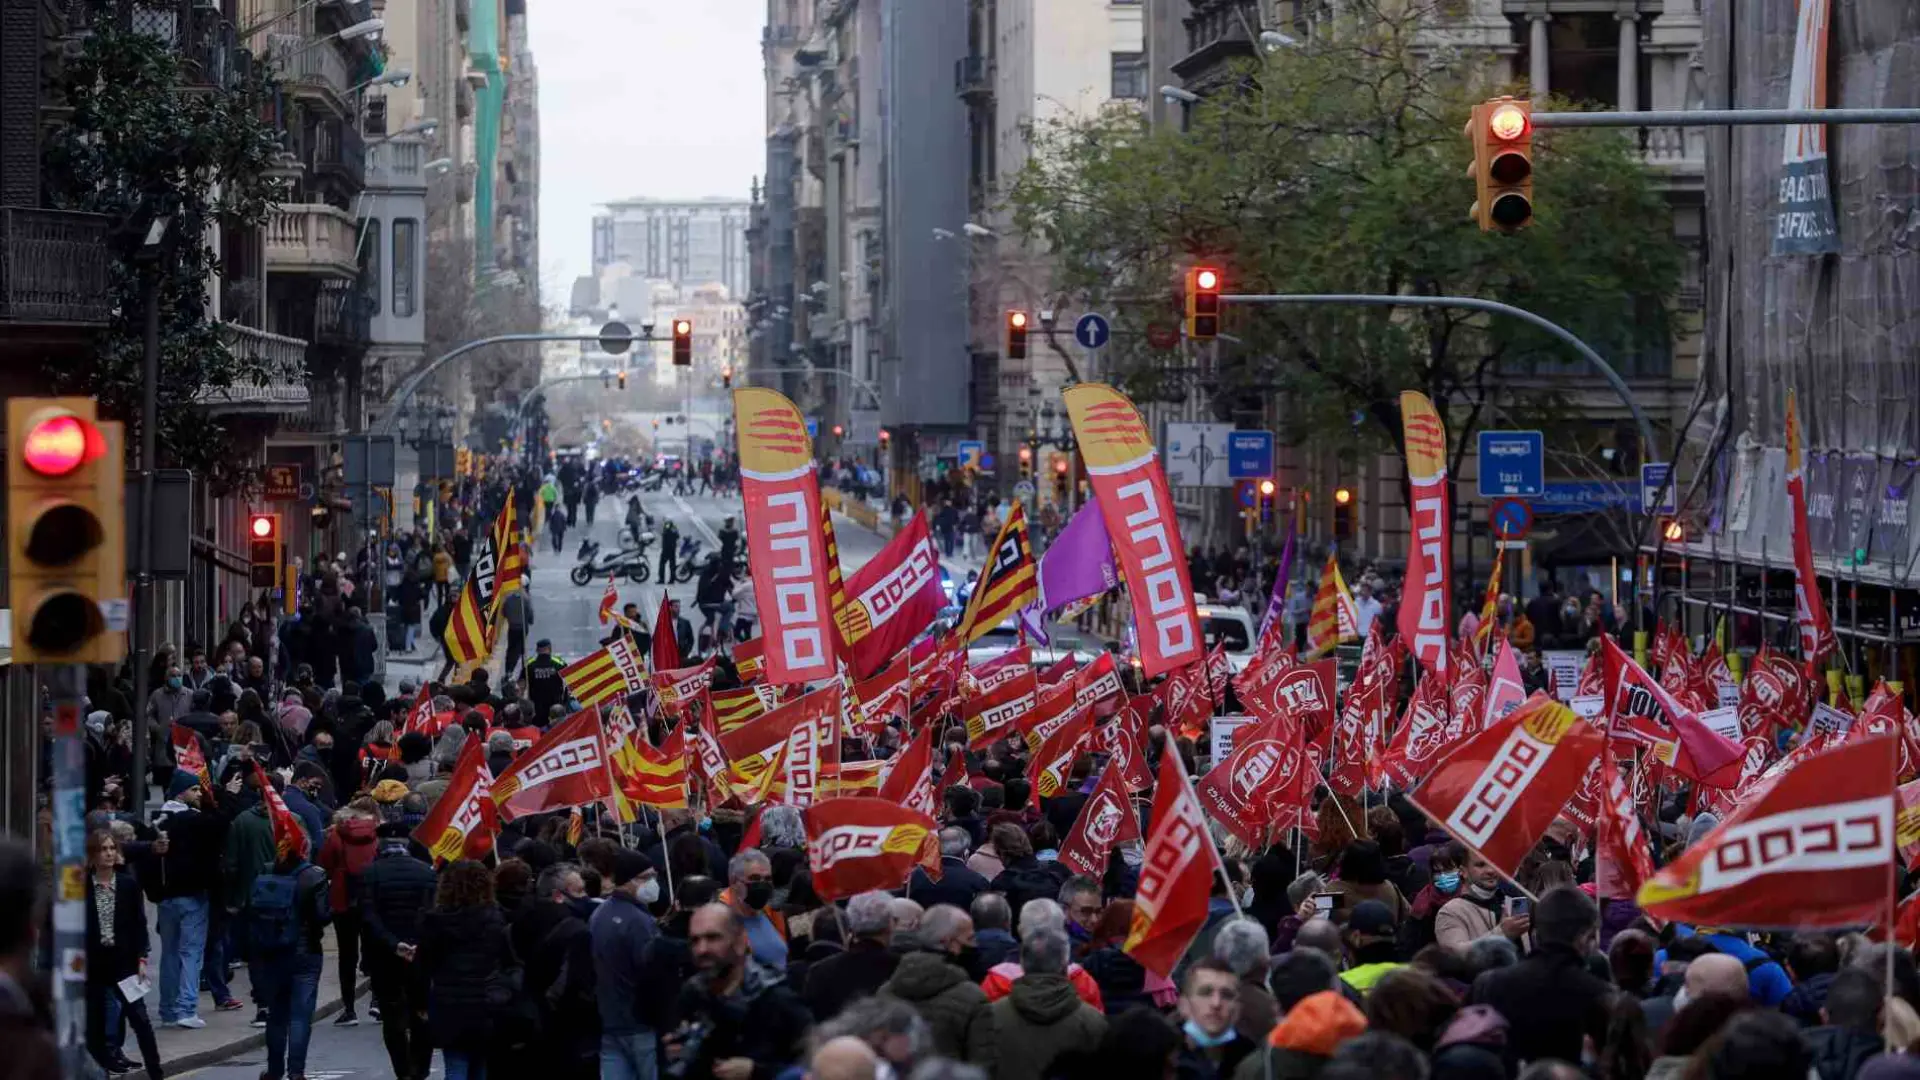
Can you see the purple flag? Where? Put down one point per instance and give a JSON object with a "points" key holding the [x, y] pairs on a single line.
{"points": [[1278, 597], [1080, 562]]}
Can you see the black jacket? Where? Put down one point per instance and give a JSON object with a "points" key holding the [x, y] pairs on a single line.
{"points": [[630, 1002], [545, 688], [561, 980], [958, 885], [109, 964], [463, 953], [196, 842], [716, 858], [763, 1020], [856, 973], [1837, 1053], [1023, 880], [396, 891], [1550, 1001]]}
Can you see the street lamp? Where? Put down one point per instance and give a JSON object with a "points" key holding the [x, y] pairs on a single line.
{"points": [[1184, 97], [1274, 40], [395, 77]]}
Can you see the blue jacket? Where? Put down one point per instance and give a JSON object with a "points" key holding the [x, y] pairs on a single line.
{"points": [[1767, 981], [310, 815], [622, 931]]}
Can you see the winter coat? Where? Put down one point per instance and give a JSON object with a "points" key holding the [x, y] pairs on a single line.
{"points": [[1463, 920], [1837, 1052], [1002, 977], [954, 1008], [1807, 999], [986, 862], [1040, 1020], [191, 866], [27, 1033], [108, 964], [763, 1020], [1122, 981], [1023, 880], [622, 931], [312, 817], [249, 854], [345, 856], [958, 884], [1300, 1044], [464, 953], [861, 970], [1194, 1064], [1550, 1000], [396, 891]]}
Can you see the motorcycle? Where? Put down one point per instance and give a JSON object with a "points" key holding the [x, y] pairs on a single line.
{"points": [[630, 561]]}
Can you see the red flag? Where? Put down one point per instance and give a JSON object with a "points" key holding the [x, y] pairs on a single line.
{"points": [[1623, 861], [1815, 850], [1303, 690], [1809, 607], [1052, 709], [747, 660], [1507, 690], [187, 757], [909, 779], [566, 768], [754, 743], [1096, 684], [1775, 694], [1047, 771], [1417, 746], [666, 647], [1219, 670], [1716, 686], [1107, 820], [787, 547], [1426, 605], [1265, 783], [1125, 741], [1641, 711], [1185, 701], [1365, 714], [419, 717], [677, 687], [609, 601], [290, 839], [993, 715], [886, 696], [1466, 690], [1176, 874], [1885, 714], [1906, 823], [1058, 670], [464, 820], [891, 598], [1138, 509], [954, 775], [1498, 791], [854, 845]]}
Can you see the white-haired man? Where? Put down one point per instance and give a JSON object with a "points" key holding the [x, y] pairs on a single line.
{"points": [[866, 965]]}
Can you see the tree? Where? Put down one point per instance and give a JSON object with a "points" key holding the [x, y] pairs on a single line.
{"points": [[139, 147], [1339, 166]]}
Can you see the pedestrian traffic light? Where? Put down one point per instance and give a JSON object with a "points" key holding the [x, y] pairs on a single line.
{"points": [[1203, 303], [1501, 131], [1016, 335], [1342, 514], [683, 343], [66, 539], [263, 550]]}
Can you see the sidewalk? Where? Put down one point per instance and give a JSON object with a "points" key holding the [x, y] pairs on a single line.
{"points": [[230, 1033]]}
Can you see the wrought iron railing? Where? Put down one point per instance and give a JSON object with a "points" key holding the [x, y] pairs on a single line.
{"points": [[53, 266], [303, 62], [343, 314], [208, 46], [340, 147]]}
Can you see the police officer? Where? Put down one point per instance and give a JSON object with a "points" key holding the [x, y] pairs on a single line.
{"points": [[545, 688]]}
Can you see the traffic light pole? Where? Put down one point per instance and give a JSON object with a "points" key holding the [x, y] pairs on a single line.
{"points": [[67, 684], [143, 541], [1723, 117], [389, 419]]}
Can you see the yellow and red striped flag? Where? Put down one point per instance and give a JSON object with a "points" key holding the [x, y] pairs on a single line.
{"points": [[1010, 581], [497, 568], [644, 776], [1334, 619], [576, 827], [609, 601], [1490, 607], [608, 674], [734, 709]]}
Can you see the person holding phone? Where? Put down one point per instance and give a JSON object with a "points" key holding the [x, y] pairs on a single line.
{"points": [[1479, 910]]}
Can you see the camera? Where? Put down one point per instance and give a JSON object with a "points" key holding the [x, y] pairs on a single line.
{"points": [[693, 1036]]}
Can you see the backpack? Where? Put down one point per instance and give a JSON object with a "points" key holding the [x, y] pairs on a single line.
{"points": [[274, 920]]}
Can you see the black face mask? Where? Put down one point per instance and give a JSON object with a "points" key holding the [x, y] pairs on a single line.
{"points": [[758, 894], [581, 906], [968, 960]]}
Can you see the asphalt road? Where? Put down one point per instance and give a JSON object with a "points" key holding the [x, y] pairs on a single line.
{"points": [[334, 1053]]}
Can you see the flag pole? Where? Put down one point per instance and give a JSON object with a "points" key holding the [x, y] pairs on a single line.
{"points": [[1219, 863]]}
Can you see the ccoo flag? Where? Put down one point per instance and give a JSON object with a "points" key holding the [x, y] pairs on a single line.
{"points": [[785, 544], [1427, 601], [1809, 609]]}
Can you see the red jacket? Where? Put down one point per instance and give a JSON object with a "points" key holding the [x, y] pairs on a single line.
{"points": [[345, 856]]}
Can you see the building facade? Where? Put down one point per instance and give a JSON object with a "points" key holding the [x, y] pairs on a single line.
{"points": [[690, 243]]}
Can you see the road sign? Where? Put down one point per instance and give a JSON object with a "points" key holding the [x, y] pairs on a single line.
{"points": [[1196, 455], [280, 483], [1023, 489], [1587, 496], [813, 427], [971, 451], [1512, 463], [1092, 330], [615, 337], [1250, 454], [1244, 491], [1658, 494], [1161, 336], [986, 462], [1511, 519]]}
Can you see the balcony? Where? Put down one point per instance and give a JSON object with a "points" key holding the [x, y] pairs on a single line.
{"points": [[285, 390], [53, 267], [311, 68], [207, 45], [397, 163], [312, 238], [341, 151], [973, 79], [343, 315]]}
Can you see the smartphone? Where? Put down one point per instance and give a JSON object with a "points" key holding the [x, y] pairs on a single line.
{"points": [[1326, 902], [1518, 905]]}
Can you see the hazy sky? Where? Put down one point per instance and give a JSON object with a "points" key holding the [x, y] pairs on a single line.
{"points": [[657, 98]]}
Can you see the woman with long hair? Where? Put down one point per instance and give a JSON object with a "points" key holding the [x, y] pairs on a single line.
{"points": [[117, 945], [468, 961]]}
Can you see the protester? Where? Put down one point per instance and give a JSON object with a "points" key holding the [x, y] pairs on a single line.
{"points": [[1042, 1018], [937, 979], [465, 956]]}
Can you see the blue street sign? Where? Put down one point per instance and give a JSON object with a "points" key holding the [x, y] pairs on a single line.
{"points": [[1657, 493], [986, 461], [1512, 463], [1249, 454], [1511, 519], [1246, 493], [813, 427], [1586, 496], [1092, 330], [971, 451]]}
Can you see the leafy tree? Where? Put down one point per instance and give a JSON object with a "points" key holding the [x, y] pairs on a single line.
{"points": [[1338, 166], [138, 146]]}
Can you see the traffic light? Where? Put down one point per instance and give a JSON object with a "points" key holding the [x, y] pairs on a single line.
{"points": [[1016, 335], [1026, 461], [1203, 303], [726, 377], [1501, 131], [1674, 530], [839, 431], [683, 343], [66, 531], [263, 550], [1266, 489], [1342, 514], [623, 380], [886, 438]]}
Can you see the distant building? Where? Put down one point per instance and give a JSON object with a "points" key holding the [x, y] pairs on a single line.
{"points": [[690, 243]]}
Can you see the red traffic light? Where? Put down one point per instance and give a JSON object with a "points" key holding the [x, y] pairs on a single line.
{"points": [[261, 526], [885, 436], [1342, 496], [838, 431], [1205, 278], [682, 327], [1016, 319], [1026, 453], [1060, 466], [1508, 122], [59, 444], [1266, 487]]}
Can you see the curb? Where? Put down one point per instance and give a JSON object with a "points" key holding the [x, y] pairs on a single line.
{"points": [[256, 1038]]}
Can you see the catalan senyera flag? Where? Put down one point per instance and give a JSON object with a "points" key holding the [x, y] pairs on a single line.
{"points": [[498, 564], [1490, 606], [1334, 619], [464, 821], [1010, 581], [607, 674], [645, 776], [734, 709], [850, 779]]}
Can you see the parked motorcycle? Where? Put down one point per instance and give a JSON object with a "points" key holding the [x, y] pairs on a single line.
{"points": [[630, 561]]}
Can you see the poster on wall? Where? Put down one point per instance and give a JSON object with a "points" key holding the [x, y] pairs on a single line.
{"points": [[1803, 221]]}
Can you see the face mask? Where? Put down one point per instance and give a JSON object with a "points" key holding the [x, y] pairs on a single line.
{"points": [[650, 891], [581, 906], [1246, 897], [706, 824], [1447, 882], [758, 894], [173, 682], [968, 960], [1204, 1040]]}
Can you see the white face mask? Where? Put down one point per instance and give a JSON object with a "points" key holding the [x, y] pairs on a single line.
{"points": [[650, 890]]}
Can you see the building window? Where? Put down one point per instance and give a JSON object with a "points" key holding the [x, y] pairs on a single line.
{"points": [[1130, 76], [376, 122], [370, 265], [406, 267]]}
